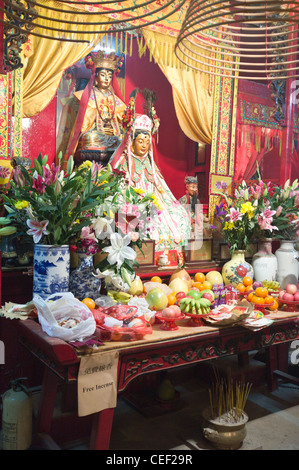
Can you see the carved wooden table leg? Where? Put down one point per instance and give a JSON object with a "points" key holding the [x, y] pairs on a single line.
{"points": [[101, 430]]}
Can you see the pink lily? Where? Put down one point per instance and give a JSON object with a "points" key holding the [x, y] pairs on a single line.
{"points": [[37, 229], [234, 215], [38, 184]]}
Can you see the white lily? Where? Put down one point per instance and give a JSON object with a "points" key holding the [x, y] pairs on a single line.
{"points": [[119, 250], [102, 228]]}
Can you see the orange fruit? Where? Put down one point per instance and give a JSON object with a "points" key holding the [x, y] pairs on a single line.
{"points": [[171, 299], [269, 299], [89, 302], [241, 287], [198, 285], [249, 288], [261, 292], [274, 306], [247, 281], [199, 277], [255, 298], [249, 297], [156, 279], [259, 301]]}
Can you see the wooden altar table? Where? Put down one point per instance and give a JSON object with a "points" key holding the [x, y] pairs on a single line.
{"points": [[156, 352]]}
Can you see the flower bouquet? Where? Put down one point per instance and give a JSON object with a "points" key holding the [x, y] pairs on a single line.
{"points": [[52, 205], [121, 223]]}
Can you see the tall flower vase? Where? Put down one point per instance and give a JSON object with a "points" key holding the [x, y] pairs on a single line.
{"points": [[264, 262], [287, 263], [51, 269], [83, 283], [236, 268]]}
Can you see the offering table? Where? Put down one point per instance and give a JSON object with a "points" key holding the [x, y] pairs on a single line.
{"points": [[159, 351]]}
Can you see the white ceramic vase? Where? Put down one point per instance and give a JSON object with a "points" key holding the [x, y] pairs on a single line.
{"points": [[51, 269], [264, 262], [287, 263]]}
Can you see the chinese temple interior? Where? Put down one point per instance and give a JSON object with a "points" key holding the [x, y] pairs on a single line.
{"points": [[226, 98]]}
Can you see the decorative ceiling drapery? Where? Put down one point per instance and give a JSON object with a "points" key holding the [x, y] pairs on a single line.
{"points": [[44, 68], [192, 91]]}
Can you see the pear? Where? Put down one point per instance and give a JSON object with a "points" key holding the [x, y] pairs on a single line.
{"points": [[136, 287]]}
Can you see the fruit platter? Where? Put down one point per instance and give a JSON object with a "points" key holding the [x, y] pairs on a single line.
{"points": [[169, 316], [288, 298]]}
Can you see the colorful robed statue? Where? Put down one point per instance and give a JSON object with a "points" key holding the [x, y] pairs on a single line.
{"points": [[136, 157], [200, 222], [98, 132]]}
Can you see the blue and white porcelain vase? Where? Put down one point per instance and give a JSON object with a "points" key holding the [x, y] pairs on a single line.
{"points": [[51, 269], [83, 283]]}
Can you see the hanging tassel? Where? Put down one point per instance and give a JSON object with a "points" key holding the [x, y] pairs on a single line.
{"points": [[126, 43], [121, 43], [116, 41], [131, 45]]}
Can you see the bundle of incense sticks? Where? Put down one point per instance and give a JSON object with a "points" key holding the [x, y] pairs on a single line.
{"points": [[228, 399]]}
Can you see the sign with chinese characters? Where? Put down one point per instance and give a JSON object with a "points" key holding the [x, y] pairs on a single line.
{"points": [[97, 382]]}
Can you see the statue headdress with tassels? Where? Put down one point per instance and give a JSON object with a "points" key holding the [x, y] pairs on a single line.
{"points": [[132, 122]]}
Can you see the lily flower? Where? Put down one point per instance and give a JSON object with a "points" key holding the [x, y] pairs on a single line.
{"points": [[119, 250], [37, 229]]}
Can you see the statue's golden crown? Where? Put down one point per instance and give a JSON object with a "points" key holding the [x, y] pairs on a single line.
{"points": [[106, 61]]}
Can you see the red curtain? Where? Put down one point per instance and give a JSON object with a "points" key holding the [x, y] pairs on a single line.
{"points": [[252, 144]]}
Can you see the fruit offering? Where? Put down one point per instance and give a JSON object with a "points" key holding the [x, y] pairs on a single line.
{"points": [[197, 303], [246, 285], [290, 294], [260, 296], [272, 286]]}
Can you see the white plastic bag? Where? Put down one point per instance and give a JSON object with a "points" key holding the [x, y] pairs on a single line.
{"points": [[65, 317]]}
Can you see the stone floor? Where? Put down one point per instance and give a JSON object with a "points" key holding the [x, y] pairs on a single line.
{"points": [[147, 424], [273, 417]]}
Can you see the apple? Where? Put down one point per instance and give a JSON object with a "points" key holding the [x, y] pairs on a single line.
{"points": [[288, 297], [180, 295], [281, 294], [195, 288], [291, 289], [170, 312], [229, 287], [296, 296], [208, 296]]}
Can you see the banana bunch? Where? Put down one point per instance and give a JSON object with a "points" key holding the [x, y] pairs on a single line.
{"points": [[271, 285], [198, 307], [117, 296]]}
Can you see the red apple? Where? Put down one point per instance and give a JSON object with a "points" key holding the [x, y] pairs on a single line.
{"points": [[170, 312], [195, 288], [288, 297], [208, 296], [296, 296], [291, 289], [180, 295], [281, 294]]}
